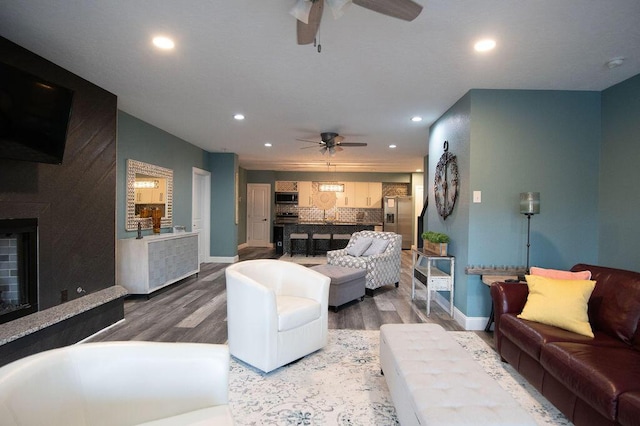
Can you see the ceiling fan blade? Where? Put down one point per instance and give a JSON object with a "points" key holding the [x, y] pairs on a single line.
{"points": [[307, 32], [338, 139], [338, 7], [337, 147], [353, 144], [301, 10], [407, 10], [311, 141]]}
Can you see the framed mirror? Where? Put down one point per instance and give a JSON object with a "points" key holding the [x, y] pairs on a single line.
{"points": [[148, 187]]}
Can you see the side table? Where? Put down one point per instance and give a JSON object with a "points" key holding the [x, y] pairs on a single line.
{"points": [[436, 279], [488, 280]]}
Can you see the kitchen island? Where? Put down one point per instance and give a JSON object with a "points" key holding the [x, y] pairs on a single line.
{"points": [[324, 228]]}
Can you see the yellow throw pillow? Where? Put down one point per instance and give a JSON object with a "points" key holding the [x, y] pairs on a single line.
{"points": [[561, 303]]}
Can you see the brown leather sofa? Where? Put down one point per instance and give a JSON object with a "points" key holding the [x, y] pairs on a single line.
{"points": [[593, 381]]}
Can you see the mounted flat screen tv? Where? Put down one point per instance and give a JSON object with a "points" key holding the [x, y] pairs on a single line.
{"points": [[34, 117]]}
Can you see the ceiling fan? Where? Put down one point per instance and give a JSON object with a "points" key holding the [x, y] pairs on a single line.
{"points": [[309, 13], [331, 142]]}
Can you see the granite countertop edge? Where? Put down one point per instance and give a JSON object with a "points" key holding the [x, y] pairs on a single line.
{"points": [[29, 324]]}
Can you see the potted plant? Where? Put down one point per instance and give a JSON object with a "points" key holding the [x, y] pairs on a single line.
{"points": [[436, 242]]}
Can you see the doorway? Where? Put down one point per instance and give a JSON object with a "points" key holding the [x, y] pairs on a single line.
{"points": [[258, 214], [418, 199], [201, 211]]}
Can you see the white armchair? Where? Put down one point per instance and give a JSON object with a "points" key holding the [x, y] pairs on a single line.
{"points": [[118, 384], [277, 312], [383, 268]]}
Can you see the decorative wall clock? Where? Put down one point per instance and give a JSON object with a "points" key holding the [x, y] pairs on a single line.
{"points": [[445, 186]]}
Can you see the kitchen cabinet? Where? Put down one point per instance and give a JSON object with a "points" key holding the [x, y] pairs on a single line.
{"points": [[157, 195], [286, 186], [368, 195], [143, 196], [155, 261], [348, 197], [305, 198]]}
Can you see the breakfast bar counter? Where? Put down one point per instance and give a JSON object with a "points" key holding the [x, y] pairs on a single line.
{"points": [[323, 228]]}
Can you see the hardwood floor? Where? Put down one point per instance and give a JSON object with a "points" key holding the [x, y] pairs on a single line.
{"points": [[195, 309]]}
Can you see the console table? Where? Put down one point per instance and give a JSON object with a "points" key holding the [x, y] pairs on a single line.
{"points": [[424, 262], [155, 261]]}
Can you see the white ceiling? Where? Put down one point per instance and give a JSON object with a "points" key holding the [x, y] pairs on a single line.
{"points": [[373, 74]]}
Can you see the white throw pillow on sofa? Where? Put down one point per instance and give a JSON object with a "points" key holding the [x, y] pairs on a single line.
{"points": [[377, 246], [359, 247]]}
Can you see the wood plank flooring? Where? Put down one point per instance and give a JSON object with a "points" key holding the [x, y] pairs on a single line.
{"points": [[195, 309]]}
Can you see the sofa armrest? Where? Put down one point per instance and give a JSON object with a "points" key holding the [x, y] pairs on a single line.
{"points": [[507, 298], [114, 383], [332, 254]]}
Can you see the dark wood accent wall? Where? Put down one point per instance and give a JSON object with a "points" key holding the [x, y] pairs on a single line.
{"points": [[74, 202]]}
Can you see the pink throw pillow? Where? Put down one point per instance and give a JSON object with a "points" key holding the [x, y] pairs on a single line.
{"points": [[560, 275]]}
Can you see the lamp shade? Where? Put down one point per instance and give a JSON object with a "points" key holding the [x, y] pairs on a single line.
{"points": [[529, 202]]}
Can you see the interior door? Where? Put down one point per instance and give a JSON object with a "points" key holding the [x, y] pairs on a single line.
{"points": [[258, 214], [200, 210]]}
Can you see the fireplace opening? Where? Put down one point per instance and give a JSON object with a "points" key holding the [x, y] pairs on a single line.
{"points": [[18, 268]]}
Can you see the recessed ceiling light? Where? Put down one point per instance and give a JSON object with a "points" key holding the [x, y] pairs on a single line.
{"points": [[164, 43], [416, 119], [392, 146], [239, 117], [615, 62], [485, 45], [267, 144]]}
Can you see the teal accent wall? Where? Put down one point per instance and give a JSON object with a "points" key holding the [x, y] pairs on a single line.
{"points": [[619, 239], [224, 230], [512, 141], [141, 141], [453, 126], [271, 176], [262, 176]]}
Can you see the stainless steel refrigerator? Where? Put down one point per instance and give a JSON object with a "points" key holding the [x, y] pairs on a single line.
{"points": [[398, 218]]}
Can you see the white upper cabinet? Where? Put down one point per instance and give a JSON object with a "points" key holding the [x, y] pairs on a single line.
{"points": [[305, 198]]}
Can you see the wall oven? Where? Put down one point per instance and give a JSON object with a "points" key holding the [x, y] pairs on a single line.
{"points": [[286, 198]]}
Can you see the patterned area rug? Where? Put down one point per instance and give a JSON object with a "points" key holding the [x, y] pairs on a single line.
{"points": [[342, 385]]}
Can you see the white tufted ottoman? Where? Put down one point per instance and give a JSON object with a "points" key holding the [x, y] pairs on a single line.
{"points": [[434, 381]]}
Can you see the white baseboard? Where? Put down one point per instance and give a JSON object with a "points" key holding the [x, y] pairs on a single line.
{"points": [[223, 259], [468, 323]]}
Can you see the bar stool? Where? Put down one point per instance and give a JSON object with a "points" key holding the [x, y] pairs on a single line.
{"points": [[317, 239], [339, 241], [299, 237]]}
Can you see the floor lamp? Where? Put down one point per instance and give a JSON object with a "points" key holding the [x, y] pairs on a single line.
{"points": [[529, 205]]}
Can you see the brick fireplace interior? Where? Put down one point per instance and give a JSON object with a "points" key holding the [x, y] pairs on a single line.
{"points": [[18, 268]]}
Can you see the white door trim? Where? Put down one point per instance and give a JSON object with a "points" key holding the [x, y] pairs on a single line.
{"points": [[205, 212]]}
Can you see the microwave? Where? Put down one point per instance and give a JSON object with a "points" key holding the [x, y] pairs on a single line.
{"points": [[286, 198]]}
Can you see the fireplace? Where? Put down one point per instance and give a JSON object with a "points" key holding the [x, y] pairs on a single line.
{"points": [[18, 268]]}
